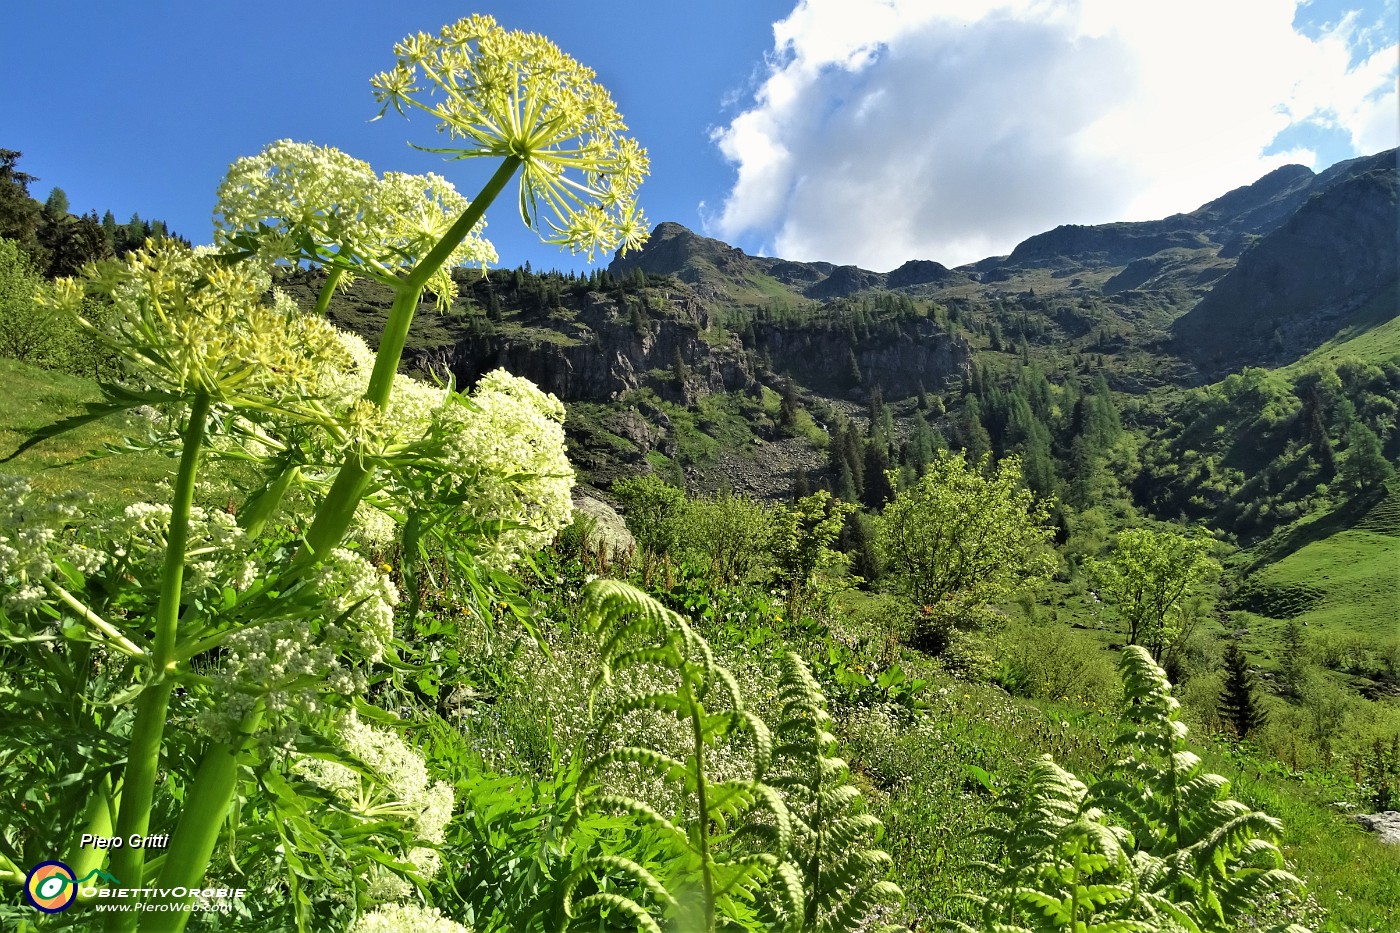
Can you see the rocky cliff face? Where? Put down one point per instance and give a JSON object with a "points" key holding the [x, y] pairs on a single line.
{"points": [[901, 360], [598, 351], [1294, 287]]}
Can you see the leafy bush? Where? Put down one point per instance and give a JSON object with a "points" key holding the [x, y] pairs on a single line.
{"points": [[963, 537]]}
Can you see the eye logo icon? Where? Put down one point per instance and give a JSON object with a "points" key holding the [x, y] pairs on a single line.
{"points": [[51, 887]]}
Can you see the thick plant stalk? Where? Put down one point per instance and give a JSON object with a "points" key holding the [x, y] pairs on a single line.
{"points": [[215, 782], [97, 822], [702, 806], [148, 729], [256, 512], [201, 820], [354, 479]]}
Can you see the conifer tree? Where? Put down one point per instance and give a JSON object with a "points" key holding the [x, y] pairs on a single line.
{"points": [[1364, 466], [1238, 705]]}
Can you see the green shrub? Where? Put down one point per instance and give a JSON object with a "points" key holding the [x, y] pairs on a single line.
{"points": [[1053, 662]]}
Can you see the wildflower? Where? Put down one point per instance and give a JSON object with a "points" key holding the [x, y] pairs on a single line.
{"points": [[400, 788], [359, 598], [405, 918], [184, 322], [296, 202], [505, 450], [515, 95]]}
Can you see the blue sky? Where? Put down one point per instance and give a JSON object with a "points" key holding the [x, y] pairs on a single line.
{"points": [[865, 131]]}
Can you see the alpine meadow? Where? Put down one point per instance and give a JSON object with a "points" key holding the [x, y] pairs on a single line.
{"points": [[352, 582]]}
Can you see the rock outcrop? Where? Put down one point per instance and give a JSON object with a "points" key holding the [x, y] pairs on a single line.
{"points": [[1386, 825]]}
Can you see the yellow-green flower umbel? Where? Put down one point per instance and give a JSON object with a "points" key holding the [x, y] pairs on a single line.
{"points": [[185, 322], [515, 95]]}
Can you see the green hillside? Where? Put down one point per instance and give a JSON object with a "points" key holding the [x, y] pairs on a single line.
{"points": [[1353, 572], [32, 399]]}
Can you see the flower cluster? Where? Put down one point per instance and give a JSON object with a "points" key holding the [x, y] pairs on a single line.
{"points": [[184, 322], [294, 660], [507, 447], [42, 536], [400, 789], [405, 918], [215, 552], [32, 542], [515, 95], [359, 603], [295, 202]]}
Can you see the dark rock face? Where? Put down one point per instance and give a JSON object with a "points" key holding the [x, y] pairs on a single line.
{"points": [[918, 272], [844, 281], [1104, 245], [1292, 288], [604, 355], [918, 355]]}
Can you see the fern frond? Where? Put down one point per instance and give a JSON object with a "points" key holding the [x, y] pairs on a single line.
{"points": [[604, 901], [857, 905], [1048, 906], [791, 902], [733, 835], [1228, 839], [654, 702], [1122, 926], [643, 812], [1239, 893], [659, 762]]}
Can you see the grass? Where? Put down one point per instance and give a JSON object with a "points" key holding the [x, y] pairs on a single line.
{"points": [[1372, 335], [1346, 560], [1327, 850], [31, 399], [1356, 570]]}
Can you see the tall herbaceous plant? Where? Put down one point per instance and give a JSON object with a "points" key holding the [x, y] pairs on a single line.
{"points": [[165, 656]]}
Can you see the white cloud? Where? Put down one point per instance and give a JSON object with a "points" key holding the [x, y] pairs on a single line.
{"points": [[887, 130]]}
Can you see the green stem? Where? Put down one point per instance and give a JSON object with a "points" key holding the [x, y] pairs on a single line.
{"points": [[143, 756], [201, 820], [354, 479], [256, 512], [323, 300], [112, 637], [98, 822], [702, 814]]}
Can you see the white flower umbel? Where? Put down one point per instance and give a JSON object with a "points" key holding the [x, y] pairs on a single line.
{"points": [[405, 918], [293, 663], [359, 603], [508, 449], [295, 202], [399, 789]]}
